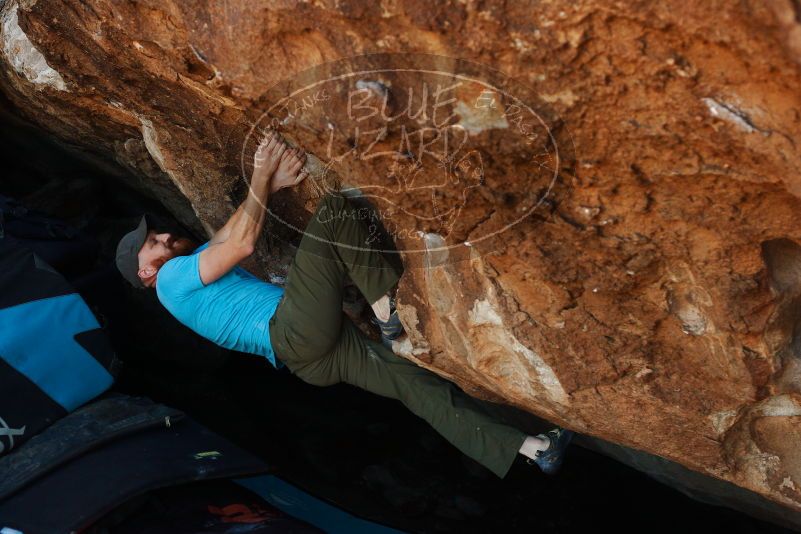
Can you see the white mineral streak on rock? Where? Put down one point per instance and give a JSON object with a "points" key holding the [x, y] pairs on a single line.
{"points": [[730, 114], [476, 119], [779, 406], [404, 347], [379, 88], [722, 421], [24, 57], [150, 138], [566, 97], [692, 320], [495, 337], [484, 315], [436, 251], [685, 299]]}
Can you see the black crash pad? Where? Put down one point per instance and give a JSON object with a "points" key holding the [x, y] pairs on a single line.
{"points": [[76, 493]]}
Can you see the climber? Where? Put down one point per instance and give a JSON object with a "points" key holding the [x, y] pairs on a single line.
{"points": [[302, 325]]}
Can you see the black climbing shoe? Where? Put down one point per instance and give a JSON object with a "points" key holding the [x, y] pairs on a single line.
{"points": [[550, 460], [391, 329]]}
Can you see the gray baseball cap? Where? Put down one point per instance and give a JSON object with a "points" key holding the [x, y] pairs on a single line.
{"points": [[128, 253]]}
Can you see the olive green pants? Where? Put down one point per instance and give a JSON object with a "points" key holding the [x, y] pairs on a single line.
{"points": [[319, 343]]}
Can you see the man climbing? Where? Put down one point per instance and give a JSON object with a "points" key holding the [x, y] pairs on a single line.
{"points": [[302, 325]]}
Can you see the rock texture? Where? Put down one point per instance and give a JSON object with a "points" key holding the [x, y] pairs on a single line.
{"points": [[652, 300]]}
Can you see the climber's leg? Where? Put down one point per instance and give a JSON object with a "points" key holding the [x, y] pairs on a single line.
{"points": [[336, 243], [369, 365]]}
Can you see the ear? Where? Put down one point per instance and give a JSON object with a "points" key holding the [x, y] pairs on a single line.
{"points": [[147, 272]]}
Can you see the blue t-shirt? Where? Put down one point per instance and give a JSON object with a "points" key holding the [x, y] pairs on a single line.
{"points": [[233, 311]]}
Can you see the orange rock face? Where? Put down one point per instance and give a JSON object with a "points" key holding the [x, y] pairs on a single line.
{"points": [[650, 295]]}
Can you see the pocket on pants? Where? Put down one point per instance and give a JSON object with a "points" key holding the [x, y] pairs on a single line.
{"points": [[288, 345]]}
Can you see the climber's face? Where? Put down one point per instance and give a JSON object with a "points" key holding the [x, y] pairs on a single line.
{"points": [[157, 250]]}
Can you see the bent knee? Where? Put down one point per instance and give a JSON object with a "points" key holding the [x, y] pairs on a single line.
{"points": [[316, 374], [334, 201]]}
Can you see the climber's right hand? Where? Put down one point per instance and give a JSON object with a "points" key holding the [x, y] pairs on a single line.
{"points": [[267, 158]]}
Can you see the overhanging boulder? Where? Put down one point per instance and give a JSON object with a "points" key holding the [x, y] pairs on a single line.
{"points": [[650, 299]]}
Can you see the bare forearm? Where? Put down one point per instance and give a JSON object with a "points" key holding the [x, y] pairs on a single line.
{"points": [[248, 220], [244, 226], [224, 233]]}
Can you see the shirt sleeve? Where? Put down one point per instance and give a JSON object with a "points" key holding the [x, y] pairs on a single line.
{"points": [[180, 276]]}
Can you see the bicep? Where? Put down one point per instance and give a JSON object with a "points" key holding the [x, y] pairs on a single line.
{"points": [[216, 260]]}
